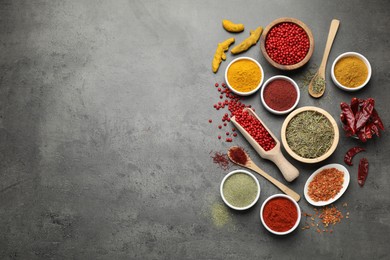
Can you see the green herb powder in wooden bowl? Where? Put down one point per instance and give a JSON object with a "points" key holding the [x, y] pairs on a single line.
{"points": [[240, 190], [310, 135]]}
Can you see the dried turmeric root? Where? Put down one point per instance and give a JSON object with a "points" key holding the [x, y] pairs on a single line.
{"points": [[248, 42], [220, 53], [232, 27]]}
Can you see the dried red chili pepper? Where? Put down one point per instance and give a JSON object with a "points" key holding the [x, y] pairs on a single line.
{"points": [[377, 120], [367, 131], [365, 113], [362, 135], [366, 121], [363, 171], [355, 105], [351, 153], [374, 128], [349, 118]]}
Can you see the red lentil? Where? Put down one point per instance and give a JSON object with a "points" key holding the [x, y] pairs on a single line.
{"points": [[287, 43], [326, 184]]}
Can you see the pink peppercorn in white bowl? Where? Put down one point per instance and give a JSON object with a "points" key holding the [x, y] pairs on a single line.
{"points": [[284, 99]]}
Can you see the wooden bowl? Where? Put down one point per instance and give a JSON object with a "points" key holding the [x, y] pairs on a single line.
{"points": [[326, 154], [287, 20]]}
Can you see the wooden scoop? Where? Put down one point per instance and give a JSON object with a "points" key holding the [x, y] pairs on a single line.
{"points": [[251, 165], [321, 70], [275, 155]]}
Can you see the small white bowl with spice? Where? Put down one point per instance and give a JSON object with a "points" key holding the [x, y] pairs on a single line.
{"points": [[280, 95], [244, 76], [280, 214], [326, 185], [351, 71], [240, 190]]}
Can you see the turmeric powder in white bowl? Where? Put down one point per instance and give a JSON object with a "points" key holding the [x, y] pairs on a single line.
{"points": [[244, 76]]}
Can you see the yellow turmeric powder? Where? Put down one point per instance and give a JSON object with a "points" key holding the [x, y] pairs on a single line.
{"points": [[351, 72], [248, 42], [220, 53], [232, 27], [244, 75]]}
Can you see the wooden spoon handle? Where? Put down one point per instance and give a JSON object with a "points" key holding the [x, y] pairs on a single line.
{"points": [[289, 172], [275, 182], [332, 34]]}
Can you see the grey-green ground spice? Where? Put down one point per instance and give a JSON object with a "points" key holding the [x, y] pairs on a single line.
{"points": [[220, 214], [309, 134], [240, 190]]}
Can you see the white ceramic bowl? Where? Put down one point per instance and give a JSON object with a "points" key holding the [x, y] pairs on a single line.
{"points": [[298, 211], [283, 78], [349, 54], [244, 93], [247, 173], [341, 192]]}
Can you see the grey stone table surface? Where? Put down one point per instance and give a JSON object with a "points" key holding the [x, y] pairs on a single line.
{"points": [[105, 141]]}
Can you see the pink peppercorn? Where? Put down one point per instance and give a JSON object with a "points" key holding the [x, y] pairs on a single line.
{"points": [[287, 43], [255, 129]]}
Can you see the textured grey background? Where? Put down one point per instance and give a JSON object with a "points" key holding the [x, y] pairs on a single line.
{"points": [[105, 140]]}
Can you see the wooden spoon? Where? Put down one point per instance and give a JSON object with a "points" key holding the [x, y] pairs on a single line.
{"points": [[321, 70], [275, 155], [251, 165]]}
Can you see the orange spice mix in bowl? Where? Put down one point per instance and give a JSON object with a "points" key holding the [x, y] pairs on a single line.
{"points": [[326, 184]]}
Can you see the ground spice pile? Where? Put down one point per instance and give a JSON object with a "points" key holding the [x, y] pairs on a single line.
{"points": [[240, 190], [220, 215], [323, 220]]}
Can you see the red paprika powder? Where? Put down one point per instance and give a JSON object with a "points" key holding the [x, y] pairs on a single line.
{"points": [[280, 95], [280, 214]]}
